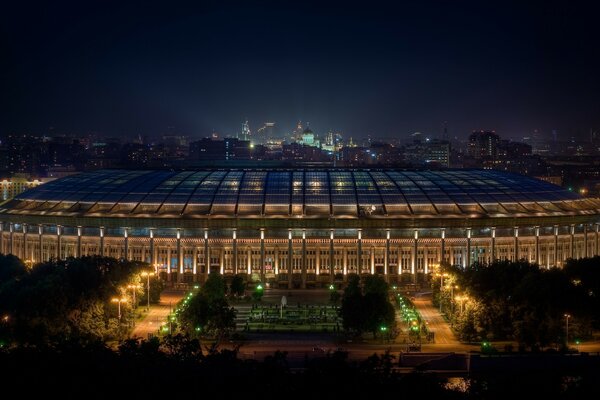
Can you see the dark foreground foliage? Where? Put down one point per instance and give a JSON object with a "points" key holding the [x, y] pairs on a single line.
{"points": [[179, 367]]}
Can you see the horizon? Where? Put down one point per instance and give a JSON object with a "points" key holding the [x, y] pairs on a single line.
{"points": [[384, 71]]}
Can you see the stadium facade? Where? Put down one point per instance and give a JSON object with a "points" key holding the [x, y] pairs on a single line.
{"points": [[301, 227]]}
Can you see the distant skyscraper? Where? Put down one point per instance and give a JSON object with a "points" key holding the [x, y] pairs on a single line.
{"points": [[245, 131], [483, 144]]}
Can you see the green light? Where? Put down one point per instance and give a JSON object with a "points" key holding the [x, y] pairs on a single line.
{"points": [[394, 287], [259, 287], [331, 287], [165, 329], [383, 328], [196, 287], [197, 329], [577, 342]]}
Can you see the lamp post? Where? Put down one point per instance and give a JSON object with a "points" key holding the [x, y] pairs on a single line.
{"points": [[461, 300], [133, 289], [452, 287], [567, 316], [441, 286], [119, 301], [148, 275]]}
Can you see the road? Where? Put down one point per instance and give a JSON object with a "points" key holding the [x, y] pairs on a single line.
{"points": [[158, 313], [435, 322]]}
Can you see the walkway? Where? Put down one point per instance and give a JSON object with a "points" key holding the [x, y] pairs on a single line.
{"points": [[435, 322], [158, 313]]}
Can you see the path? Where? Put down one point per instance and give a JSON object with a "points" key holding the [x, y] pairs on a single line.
{"points": [[435, 322], [158, 313]]}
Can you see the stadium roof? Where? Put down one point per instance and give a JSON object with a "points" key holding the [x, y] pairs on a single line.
{"points": [[298, 193]]}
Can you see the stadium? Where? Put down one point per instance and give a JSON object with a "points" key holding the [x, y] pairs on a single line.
{"points": [[300, 228]]}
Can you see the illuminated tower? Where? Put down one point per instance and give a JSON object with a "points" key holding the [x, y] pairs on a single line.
{"points": [[245, 131]]}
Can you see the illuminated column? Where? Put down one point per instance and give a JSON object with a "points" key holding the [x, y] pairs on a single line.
{"points": [[249, 261], [195, 262], [572, 241], [516, 244], [206, 255], [152, 252], [126, 242], [169, 263], [400, 261], [234, 252], [413, 256], [493, 244], [318, 260], [179, 257], [58, 242], [585, 240], [538, 257], [102, 241], [24, 248], [372, 260], [345, 262], [442, 257], [221, 261], [425, 262], [304, 259], [290, 258], [359, 252], [386, 256], [276, 259], [10, 243], [331, 256], [79, 229], [262, 255], [40, 239], [468, 258], [555, 245]]}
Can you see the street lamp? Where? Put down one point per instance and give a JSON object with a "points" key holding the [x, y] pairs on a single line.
{"points": [[567, 316], [148, 275], [119, 301], [461, 300], [441, 275], [133, 288]]}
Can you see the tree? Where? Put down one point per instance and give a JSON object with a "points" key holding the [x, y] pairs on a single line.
{"points": [[237, 286], [11, 267], [352, 309], [214, 287], [367, 309], [203, 315]]}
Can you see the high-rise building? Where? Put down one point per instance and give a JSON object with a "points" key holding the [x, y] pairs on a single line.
{"points": [[245, 131], [483, 144]]}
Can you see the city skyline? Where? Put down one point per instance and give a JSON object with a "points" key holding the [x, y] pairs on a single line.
{"points": [[382, 71]]}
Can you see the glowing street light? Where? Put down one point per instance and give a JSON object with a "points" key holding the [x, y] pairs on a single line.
{"points": [[148, 275], [119, 301], [461, 300], [133, 289]]}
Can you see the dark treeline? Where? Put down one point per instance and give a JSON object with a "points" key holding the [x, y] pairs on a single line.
{"points": [[70, 298], [178, 367]]}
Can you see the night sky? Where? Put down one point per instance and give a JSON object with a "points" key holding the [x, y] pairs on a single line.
{"points": [[363, 69]]}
